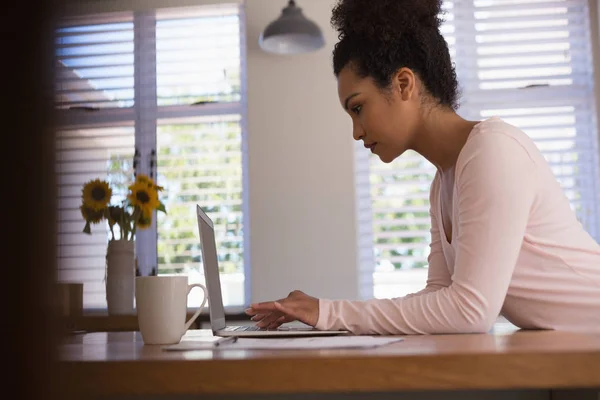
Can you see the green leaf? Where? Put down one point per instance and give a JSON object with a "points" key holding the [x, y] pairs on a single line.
{"points": [[87, 228], [161, 207]]}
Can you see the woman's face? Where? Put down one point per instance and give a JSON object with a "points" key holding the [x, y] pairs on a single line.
{"points": [[384, 120]]}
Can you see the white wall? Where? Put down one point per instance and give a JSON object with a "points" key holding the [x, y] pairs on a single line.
{"points": [[595, 20], [595, 37], [303, 229]]}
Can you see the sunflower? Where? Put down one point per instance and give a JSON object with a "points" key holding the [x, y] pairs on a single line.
{"points": [[91, 216], [141, 178], [96, 194], [144, 221], [143, 197]]}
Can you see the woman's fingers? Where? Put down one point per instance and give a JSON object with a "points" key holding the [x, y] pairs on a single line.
{"points": [[282, 315], [266, 314], [261, 308], [276, 324], [288, 309], [275, 318], [297, 306], [258, 317], [268, 320]]}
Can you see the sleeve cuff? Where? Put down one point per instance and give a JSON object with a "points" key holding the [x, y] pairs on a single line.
{"points": [[324, 312]]}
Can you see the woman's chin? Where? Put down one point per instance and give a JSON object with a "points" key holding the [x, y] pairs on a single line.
{"points": [[389, 156], [386, 158]]}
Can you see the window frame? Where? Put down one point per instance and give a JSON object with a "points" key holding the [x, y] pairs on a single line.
{"points": [[474, 100], [145, 113]]}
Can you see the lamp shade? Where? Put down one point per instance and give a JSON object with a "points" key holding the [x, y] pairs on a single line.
{"points": [[291, 33]]}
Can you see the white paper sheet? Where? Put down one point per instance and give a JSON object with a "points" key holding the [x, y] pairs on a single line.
{"points": [[333, 342]]}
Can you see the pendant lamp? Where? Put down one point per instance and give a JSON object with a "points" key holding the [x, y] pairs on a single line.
{"points": [[291, 33]]}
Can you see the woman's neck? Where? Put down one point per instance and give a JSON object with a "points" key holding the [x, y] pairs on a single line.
{"points": [[442, 135]]}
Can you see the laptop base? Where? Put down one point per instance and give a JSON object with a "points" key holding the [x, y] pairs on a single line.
{"points": [[239, 331]]}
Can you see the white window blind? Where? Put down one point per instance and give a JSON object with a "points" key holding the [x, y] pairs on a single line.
{"points": [[200, 149], [95, 62], [201, 161], [82, 155], [535, 70], [162, 89], [198, 56], [527, 61], [396, 228]]}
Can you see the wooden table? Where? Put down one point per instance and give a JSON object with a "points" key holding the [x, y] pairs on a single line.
{"points": [[102, 322], [118, 363]]}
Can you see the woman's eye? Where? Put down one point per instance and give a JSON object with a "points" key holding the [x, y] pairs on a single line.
{"points": [[356, 109]]}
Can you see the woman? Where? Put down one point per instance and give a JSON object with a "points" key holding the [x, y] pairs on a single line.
{"points": [[504, 238]]}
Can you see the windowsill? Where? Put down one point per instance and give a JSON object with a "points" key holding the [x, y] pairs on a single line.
{"points": [[230, 311], [98, 320]]}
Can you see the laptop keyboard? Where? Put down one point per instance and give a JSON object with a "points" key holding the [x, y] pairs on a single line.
{"points": [[243, 328]]}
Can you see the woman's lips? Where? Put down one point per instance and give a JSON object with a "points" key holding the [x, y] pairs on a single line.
{"points": [[371, 146]]}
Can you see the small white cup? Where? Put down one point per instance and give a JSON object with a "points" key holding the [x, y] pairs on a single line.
{"points": [[161, 303]]}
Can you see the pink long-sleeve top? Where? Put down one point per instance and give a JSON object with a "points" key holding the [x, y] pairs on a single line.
{"points": [[516, 250]]}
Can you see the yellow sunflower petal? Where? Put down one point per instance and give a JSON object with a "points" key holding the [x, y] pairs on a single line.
{"points": [[144, 221], [96, 194], [144, 179], [142, 197], [149, 181], [91, 215]]}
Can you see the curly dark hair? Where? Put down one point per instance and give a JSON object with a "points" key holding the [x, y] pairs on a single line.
{"points": [[378, 37]]}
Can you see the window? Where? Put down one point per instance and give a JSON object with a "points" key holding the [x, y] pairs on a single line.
{"points": [[527, 61], [83, 154], [201, 162], [159, 92]]}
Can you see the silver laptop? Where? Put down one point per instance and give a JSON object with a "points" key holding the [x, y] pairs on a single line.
{"points": [[215, 300]]}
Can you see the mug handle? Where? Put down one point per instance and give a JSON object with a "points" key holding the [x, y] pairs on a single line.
{"points": [[197, 313]]}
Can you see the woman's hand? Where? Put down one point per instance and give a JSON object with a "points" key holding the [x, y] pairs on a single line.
{"points": [[298, 306]]}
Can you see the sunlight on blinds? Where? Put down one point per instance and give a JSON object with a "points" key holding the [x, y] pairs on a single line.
{"points": [[95, 62], [198, 56], [447, 28], [151, 78], [400, 196], [544, 44], [532, 43], [400, 192], [528, 62], [200, 162], [84, 155]]}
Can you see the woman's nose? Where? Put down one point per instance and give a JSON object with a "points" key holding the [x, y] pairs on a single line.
{"points": [[357, 132]]}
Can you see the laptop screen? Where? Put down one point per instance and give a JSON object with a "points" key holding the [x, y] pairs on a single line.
{"points": [[211, 270]]}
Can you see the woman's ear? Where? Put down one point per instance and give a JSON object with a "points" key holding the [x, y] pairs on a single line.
{"points": [[404, 83]]}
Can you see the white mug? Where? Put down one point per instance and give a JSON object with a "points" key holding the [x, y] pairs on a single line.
{"points": [[161, 303]]}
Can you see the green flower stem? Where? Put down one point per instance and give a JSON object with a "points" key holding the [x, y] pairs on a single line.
{"points": [[123, 229], [136, 215]]}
